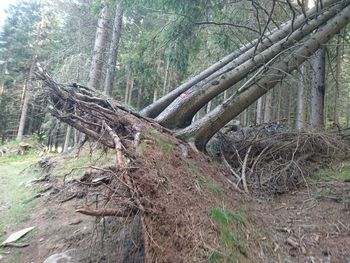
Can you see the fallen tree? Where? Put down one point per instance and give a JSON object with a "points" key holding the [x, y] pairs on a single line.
{"points": [[157, 184], [238, 57], [181, 111], [200, 132]]}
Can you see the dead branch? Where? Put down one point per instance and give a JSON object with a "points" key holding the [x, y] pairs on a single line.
{"points": [[103, 212]]}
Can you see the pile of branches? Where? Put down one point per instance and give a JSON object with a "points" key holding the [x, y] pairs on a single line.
{"points": [[270, 159]]}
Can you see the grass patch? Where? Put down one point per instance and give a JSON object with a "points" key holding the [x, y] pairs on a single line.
{"points": [[341, 173], [192, 166], [212, 186], [14, 195], [231, 245]]}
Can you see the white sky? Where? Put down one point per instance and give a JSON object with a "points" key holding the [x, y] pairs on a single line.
{"points": [[3, 5]]}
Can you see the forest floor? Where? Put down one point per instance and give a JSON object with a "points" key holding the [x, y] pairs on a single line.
{"points": [[308, 225]]}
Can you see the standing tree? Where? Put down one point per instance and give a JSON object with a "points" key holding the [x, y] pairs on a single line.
{"points": [[99, 48], [113, 49]]}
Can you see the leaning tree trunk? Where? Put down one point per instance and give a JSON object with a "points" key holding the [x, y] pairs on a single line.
{"points": [[228, 62], [318, 90], [199, 132], [100, 44], [113, 50], [180, 113]]}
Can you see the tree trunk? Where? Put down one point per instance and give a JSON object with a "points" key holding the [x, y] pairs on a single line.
{"points": [[337, 79], [300, 112], [127, 88], [268, 107], [318, 90], [26, 100], [113, 49], [139, 97], [100, 44], [166, 77], [202, 130], [131, 88], [67, 139], [179, 113], [259, 107], [284, 30]]}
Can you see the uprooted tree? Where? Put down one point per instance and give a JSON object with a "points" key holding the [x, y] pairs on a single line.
{"points": [[265, 62]]}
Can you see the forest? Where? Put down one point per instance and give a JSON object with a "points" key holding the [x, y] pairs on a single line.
{"points": [[175, 131]]}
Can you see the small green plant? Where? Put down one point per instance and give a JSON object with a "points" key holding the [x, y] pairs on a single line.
{"points": [[212, 186], [215, 257], [221, 216], [230, 242], [240, 216]]}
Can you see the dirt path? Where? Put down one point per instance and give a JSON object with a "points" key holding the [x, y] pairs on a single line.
{"points": [[57, 227]]}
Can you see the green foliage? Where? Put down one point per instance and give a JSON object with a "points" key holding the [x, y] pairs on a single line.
{"points": [[221, 216], [340, 173], [212, 186]]}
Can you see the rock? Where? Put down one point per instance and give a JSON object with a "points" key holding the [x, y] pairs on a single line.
{"points": [[64, 257]]}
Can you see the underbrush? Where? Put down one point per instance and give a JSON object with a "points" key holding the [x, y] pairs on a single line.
{"points": [[271, 160]]}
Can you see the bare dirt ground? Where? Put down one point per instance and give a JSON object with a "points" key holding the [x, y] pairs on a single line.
{"points": [[311, 225]]}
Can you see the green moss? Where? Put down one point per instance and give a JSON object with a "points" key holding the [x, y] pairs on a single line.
{"points": [[162, 142]]}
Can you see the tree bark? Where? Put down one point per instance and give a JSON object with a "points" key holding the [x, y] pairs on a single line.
{"points": [[202, 130], [259, 108], [318, 90], [100, 44], [338, 70], [113, 49], [166, 76], [284, 30], [131, 88], [67, 139], [180, 113], [268, 107], [300, 115]]}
